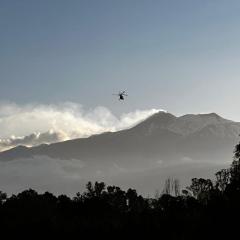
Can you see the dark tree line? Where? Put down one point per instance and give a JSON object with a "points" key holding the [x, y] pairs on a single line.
{"points": [[205, 210]]}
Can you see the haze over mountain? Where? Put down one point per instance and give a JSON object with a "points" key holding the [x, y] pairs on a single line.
{"points": [[143, 156]]}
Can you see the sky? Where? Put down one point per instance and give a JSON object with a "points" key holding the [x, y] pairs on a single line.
{"points": [[181, 56]]}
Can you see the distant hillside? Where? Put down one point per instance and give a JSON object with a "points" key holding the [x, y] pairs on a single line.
{"points": [[163, 141], [161, 136]]}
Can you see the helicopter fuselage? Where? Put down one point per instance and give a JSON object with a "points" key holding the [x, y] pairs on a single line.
{"points": [[121, 97]]}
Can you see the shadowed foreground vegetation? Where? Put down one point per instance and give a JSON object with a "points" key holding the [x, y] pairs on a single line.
{"points": [[205, 210]]}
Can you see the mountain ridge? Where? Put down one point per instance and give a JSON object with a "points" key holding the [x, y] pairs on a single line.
{"points": [[153, 135]]}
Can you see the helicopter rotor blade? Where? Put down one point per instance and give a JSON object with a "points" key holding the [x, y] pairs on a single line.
{"points": [[121, 93]]}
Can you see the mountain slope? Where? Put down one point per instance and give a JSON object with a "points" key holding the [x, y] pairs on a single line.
{"points": [[162, 136], [141, 157]]}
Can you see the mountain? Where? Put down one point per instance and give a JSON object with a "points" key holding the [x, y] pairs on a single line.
{"points": [[161, 136], [161, 144]]}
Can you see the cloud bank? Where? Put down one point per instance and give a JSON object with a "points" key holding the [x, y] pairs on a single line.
{"points": [[34, 124]]}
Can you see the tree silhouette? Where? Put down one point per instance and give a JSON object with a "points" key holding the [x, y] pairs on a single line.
{"points": [[172, 187], [223, 179], [201, 189], [3, 197]]}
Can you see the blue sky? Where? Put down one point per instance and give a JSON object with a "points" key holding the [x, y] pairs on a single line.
{"points": [[182, 56]]}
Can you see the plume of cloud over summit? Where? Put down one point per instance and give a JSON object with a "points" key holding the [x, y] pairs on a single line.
{"points": [[34, 124]]}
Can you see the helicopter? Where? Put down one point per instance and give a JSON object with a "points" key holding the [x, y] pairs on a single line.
{"points": [[121, 95]]}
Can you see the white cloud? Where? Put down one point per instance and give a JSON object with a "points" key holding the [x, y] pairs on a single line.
{"points": [[34, 124], [33, 139]]}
